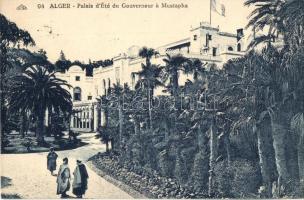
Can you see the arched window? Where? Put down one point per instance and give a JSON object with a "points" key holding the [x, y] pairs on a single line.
{"points": [[77, 94], [230, 48], [239, 47]]}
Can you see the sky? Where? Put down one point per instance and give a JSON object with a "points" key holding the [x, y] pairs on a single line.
{"points": [[100, 33]]}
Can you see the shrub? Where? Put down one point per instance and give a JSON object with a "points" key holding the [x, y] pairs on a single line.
{"points": [[238, 180], [164, 163], [4, 143], [28, 143]]}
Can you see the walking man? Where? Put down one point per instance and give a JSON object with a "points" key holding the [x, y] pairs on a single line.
{"points": [[80, 182], [63, 179], [51, 160]]}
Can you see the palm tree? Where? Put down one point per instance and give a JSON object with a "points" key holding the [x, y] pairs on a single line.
{"points": [[149, 79], [195, 66], [37, 90], [115, 101], [248, 83], [117, 92], [265, 15], [103, 103], [281, 18], [147, 53], [291, 13], [285, 18], [173, 65]]}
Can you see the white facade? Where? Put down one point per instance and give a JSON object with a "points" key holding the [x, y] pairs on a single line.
{"points": [[205, 43]]}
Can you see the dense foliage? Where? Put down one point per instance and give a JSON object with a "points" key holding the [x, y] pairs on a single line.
{"points": [[234, 132]]}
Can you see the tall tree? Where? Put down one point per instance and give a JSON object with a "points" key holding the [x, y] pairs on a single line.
{"points": [[195, 67], [62, 64], [248, 84], [37, 90], [147, 53], [149, 76], [149, 80], [10, 35], [116, 95], [173, 65]]}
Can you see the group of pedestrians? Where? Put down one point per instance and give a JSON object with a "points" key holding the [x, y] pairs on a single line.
{"points": [[80, 180]]}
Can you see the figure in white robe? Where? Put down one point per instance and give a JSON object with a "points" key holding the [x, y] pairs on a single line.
{"points": [[63, 178]]}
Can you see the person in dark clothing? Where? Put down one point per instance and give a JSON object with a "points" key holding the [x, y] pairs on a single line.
{"points": [[51, 160], [80, 182]]}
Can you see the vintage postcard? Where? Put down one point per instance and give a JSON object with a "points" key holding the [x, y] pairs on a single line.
{"points": [[161, 99]]}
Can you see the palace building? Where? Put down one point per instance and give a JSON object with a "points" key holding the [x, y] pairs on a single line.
{"points": [[206, 43]]}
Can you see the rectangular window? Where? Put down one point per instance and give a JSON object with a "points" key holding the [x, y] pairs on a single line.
{"points": [[214, 51], [194, 37], [89, 97], [77, 78]]}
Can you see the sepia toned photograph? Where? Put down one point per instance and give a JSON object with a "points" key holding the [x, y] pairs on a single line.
{"points": [[158, 99]]}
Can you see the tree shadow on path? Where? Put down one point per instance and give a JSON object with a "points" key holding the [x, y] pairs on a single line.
{"points": [[6, 182]]}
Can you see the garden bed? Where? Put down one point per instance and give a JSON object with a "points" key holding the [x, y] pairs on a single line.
{"points": [[17, 144], [147, 182]]}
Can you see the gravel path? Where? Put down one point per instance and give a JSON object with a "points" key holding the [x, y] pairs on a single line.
{"points": [[31, 179]]}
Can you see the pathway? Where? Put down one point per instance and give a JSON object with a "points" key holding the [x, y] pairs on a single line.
{"points": [[31, 179]]}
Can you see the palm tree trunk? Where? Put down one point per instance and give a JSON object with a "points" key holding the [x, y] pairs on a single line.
{"points": [[39, 129], [120, 125], [195, 75], [150, 111], [299, 130], [107, 146], [175, 83], [301, 159], [279, 132], [266, 155], [228, 149], [213, 155], [22, 124], [136, 127]]}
